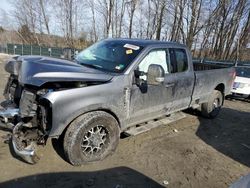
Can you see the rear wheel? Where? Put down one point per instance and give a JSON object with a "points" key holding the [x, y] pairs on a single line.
{"points": [[91, 137], [212, 108]]}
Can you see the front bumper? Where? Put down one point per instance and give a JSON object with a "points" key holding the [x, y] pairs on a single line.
{"points": [[7, 121], [240, 92], [6, 117], [239, 95], [27, 153]]}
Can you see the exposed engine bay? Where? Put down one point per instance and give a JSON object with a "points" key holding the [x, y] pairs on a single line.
{"points": [[25, 111]]}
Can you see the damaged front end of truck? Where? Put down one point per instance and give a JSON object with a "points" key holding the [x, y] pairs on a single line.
{"points": [[26, 111]]}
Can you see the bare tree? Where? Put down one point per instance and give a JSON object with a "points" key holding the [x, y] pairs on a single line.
{"points": [[244, 38], [92, 8], [193, 28], [162, 8], [67, 14], [232, 28], [148, 18], [121, 17], [131, 5], [25, 15], [45, 15], [177, 33], [105, 8]]}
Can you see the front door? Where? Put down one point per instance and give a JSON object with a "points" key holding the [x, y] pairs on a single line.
{"points": [[149, 101]]}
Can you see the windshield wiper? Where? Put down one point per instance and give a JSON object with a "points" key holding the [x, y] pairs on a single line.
{"points": [[94, 66], [91, 65]]}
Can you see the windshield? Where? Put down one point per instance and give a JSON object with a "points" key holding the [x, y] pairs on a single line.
{"points": [[111, 56], [243, 72]]}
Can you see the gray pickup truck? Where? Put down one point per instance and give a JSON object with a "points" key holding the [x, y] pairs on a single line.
{"points": [[109, 88]]}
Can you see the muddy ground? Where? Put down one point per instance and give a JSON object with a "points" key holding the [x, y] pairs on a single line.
{"points": [[203, 153]]}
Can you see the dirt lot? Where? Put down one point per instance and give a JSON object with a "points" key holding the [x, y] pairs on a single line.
{"points": [[203, 153]]}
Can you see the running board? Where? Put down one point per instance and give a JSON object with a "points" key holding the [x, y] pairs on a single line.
{"points": [[143, 127]]}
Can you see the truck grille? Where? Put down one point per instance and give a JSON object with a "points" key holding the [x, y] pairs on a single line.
{"points": [[27, 105], [238, 85]]}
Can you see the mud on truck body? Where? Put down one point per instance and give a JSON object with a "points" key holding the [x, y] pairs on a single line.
{"points": [[110, 87]]}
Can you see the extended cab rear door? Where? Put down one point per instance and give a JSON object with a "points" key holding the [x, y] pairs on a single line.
{"points": [[181, 79]]}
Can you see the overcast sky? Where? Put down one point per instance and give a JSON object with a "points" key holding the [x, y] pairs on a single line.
{"points": [[5, 5], [5, 10]]}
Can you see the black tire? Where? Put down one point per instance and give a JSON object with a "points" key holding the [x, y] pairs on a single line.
{"points": [[228, 97], [91, 137], [212, 108]]}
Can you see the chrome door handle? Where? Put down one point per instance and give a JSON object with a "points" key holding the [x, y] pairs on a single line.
{"points": [[169, 84], [159, 79]]}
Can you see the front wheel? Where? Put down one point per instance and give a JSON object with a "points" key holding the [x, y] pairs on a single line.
{"points": [[91, 137], [212, 108]]}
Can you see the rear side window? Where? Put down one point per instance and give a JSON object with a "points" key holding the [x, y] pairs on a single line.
{"points": [[178, 60]]}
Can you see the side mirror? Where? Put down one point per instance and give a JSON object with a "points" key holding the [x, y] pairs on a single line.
{"points": [[139, 82], [155, 75]]}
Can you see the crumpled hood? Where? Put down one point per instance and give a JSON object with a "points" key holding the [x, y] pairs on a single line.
{"points": [[38, 70]]}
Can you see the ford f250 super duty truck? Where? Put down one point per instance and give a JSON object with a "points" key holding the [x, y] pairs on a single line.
{"points": [[110, 87]]}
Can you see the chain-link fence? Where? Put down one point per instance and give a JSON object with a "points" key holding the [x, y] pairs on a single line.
{"points": [[23, 49]]}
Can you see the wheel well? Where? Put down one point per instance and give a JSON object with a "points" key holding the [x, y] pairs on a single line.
{"points": [[220, 88], [104, 110], [111, 113]]}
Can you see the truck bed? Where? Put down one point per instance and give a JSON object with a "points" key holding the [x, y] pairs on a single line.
{"points": [[210, 76], [208, 66]]}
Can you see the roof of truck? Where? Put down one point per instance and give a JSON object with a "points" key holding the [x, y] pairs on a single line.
{"points": [[145, 42]]}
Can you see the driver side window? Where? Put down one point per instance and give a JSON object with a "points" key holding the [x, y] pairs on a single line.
{"points": [[159, 57]]}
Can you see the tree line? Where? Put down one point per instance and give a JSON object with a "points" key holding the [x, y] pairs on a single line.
{"points": [[218, 29]]}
